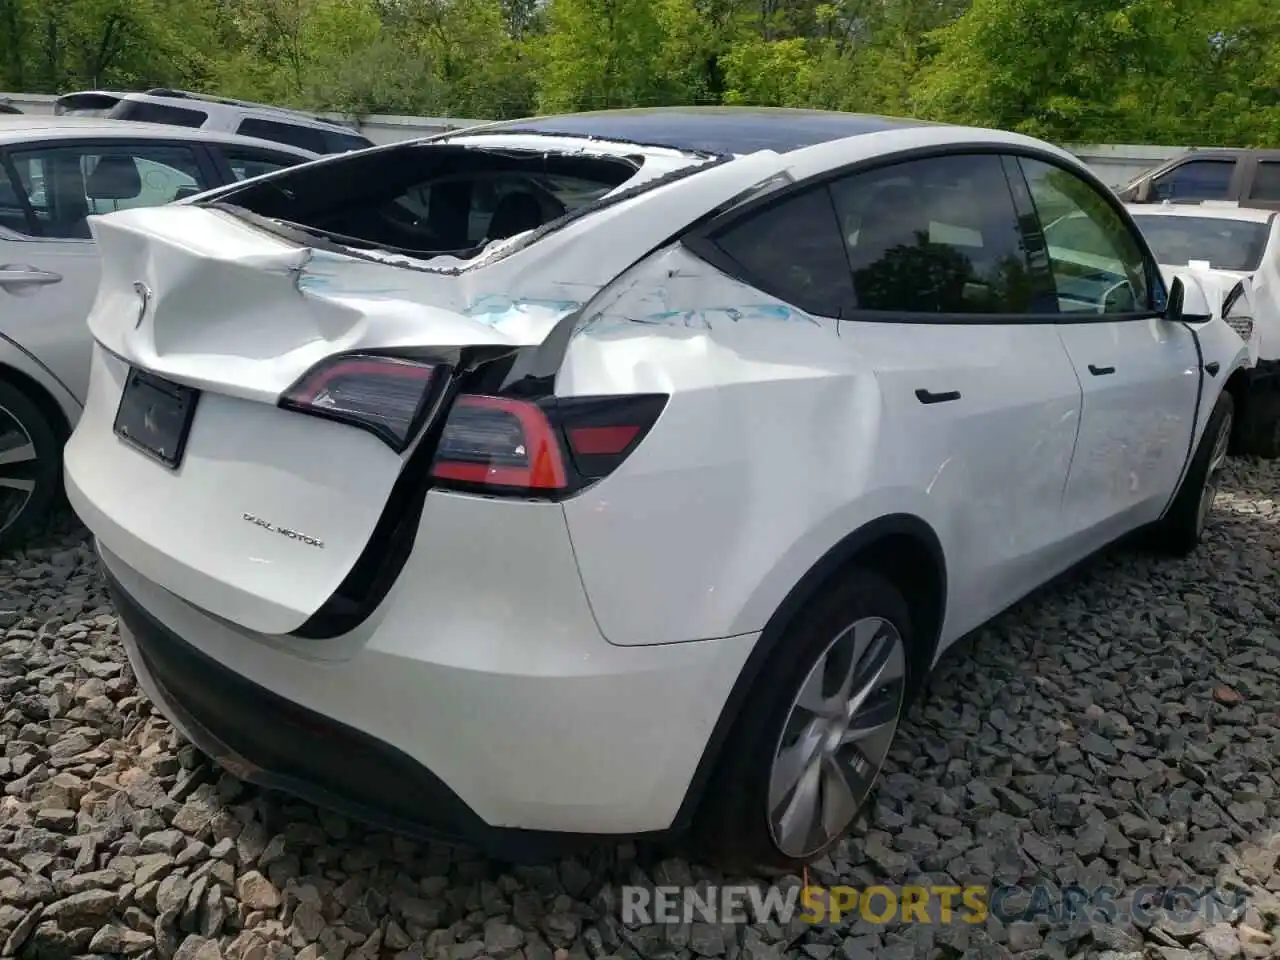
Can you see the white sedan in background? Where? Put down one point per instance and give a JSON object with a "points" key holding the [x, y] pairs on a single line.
{"points": [[55, 172]]}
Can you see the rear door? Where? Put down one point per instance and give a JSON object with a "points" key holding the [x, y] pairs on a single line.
{"points": [[48, 262], [980, 399], [1140, 373]]}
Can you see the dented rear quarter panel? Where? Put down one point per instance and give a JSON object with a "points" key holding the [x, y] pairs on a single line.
{"points": [[793, 416]]}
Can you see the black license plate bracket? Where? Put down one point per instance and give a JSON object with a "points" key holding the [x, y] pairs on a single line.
{"points": [[154, 416]]}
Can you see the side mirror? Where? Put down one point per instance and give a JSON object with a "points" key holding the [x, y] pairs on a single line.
{"points": [[1189, 300], [1177, 298], [1143, 194]]}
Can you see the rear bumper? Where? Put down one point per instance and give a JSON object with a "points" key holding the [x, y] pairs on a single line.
{"points": [[516, 742], [265, 739]]}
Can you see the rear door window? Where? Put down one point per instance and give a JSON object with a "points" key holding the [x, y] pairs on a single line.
{"points": [[306, 138], [1195, 180], [939, 235], [66, 184], [144, 111], [246, 163], [1266, 181], [342, 142]]}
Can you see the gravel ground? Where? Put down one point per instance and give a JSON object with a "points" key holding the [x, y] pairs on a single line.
{"points": [[1120, 728]]}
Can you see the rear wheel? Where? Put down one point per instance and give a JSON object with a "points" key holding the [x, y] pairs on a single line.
{"points": [[806, 753], [30, 465]]}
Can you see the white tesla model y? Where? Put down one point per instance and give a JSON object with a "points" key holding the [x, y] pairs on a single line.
{"points": [[621, 473]]}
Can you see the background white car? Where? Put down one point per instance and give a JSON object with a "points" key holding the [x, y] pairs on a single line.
{"points": [[648, 498], [1242, 244], [55, 172]]}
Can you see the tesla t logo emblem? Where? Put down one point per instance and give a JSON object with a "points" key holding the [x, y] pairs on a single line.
{"points": [[144, 294]]}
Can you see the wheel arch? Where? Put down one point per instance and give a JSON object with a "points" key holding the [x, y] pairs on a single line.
{"points": [[901, 547], [40, 396], [23, 370]]}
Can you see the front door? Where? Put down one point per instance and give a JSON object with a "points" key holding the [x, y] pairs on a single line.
{"points": [[1140, 374]]}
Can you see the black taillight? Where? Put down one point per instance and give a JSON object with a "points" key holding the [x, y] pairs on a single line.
{"points": [[387, 396]]}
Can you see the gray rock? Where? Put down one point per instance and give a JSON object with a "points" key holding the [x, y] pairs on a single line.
{"points": [[120, 940], [22, 930], [48, 942], [168, 842], [257, 892], [81, 909], [172, 893], [198, 948], [1222, 942]]}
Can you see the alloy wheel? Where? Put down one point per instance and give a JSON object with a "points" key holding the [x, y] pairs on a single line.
{"points": [[19, 468], [836, 737], [1213, 474]]}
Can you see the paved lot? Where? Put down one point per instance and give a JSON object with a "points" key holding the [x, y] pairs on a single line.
{"points": [[1122, 728]]}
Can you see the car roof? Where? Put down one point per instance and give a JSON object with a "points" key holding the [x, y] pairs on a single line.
{"points": [[1219, 211], [22, 127], [723, 131]]}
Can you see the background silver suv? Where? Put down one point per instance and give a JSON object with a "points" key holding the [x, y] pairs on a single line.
{"points": [[183, 109]]}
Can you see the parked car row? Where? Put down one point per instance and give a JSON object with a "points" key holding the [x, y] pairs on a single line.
{"points": [[621, 473]]}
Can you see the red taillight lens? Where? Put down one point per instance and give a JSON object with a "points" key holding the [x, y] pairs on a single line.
{"points": [[602, 431], [555, 446], [499, 442], [385, 395]]}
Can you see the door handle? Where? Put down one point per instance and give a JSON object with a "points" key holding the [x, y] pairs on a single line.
{"points": [[1101, 371], [1212, 368], [21, 275], [928, 396]]}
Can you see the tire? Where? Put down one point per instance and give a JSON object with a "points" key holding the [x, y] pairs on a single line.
{"points": [[1182, 528], [30, 466], [737, 827]]}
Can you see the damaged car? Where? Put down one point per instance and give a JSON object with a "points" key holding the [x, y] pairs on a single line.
{"points": [[625, 473]]}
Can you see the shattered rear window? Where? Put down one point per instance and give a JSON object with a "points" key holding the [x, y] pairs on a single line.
{"points": [[444, 203]]}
